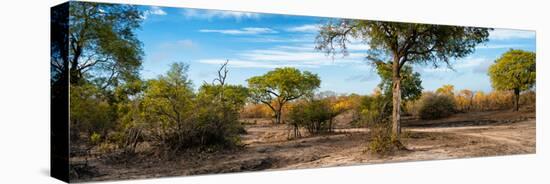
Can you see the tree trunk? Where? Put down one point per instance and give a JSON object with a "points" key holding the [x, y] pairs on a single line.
{"points": [[278, 115], [396, 92], [516, 99]]}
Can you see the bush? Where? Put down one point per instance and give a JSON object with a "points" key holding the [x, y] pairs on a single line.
{"points": [[90, 112], [256, 111], [375, 114], [313, 115], [435, 106], [180, 119], [375, 109], [528, 99], [381, 142]]}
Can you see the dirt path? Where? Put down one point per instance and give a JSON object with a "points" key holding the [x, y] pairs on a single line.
{"points": [[267, 148]]}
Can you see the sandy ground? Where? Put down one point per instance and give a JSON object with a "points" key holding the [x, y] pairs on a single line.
{"points": [[266, 147]]}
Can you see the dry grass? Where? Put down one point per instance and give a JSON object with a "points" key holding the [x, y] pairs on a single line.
{"points": [[266, 147]]}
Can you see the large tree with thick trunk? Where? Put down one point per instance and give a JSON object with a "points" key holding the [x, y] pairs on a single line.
{"points": [[395, 44], [279, 86], [103, 46], [515, 70]]}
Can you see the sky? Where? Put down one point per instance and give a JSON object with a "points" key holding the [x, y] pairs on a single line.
{"points": [[256, 43]]}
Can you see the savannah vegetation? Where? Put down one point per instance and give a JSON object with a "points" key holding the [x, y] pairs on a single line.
{"points": [[121, 118]]}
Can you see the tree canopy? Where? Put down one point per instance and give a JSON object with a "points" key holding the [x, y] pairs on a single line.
{"points": [[446, 89], [282, 85], [168, 100], [514, 70], [102, 42], [411, 84], [401, 43]]}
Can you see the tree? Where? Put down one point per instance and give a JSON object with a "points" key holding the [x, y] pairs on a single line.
{"points": [[514, 70], [446, 89], [168, 102], [281, 86], [436, 105], [90, 112], [102, 42], [401, 43], [468, 96], [411, 84], [313, 114], [217, 110]]}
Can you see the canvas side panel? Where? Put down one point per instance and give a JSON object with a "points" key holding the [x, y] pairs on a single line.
{"points": [[59, 110]]}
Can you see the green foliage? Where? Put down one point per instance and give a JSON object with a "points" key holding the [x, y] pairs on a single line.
{"points": [[514, 70], [382, 142], [234, 96], [414, 43], [375, 114], [95, 138], [446, 89], [401, 43], [168, 104], [218, 113], [314, 115], [375, 109], [103, 44], [90, 111], [131, 121], [168, 100], [281, 86], [180, 119], [435, 106], [411, 84]]}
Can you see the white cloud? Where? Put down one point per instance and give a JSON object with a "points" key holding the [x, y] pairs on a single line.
{"points": [[303, 56], [367, 77], [506, 34], [251, 64], [153, 10], [184, 43], [210, 14], [299, 55], [501, 46], [470, 62], [305, 28], [436, 70], [277, 39], [243, 31]]}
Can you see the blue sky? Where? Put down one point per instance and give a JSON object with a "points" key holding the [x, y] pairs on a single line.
{"points": [[256, 43]]}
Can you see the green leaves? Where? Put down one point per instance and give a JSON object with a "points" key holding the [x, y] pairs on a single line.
{"points": [[402, 42], [168, 100], [313, 114], [102, 43], [283, 84], [90, 110], [411, 84], [515, 69]]}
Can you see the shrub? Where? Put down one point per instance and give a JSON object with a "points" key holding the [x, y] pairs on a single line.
{"points": [[90, 112], [528, 99], [313, 115], [181, 119], [435, 106], [375, 109], [375, 114], [381, 142], [256, 111]]}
